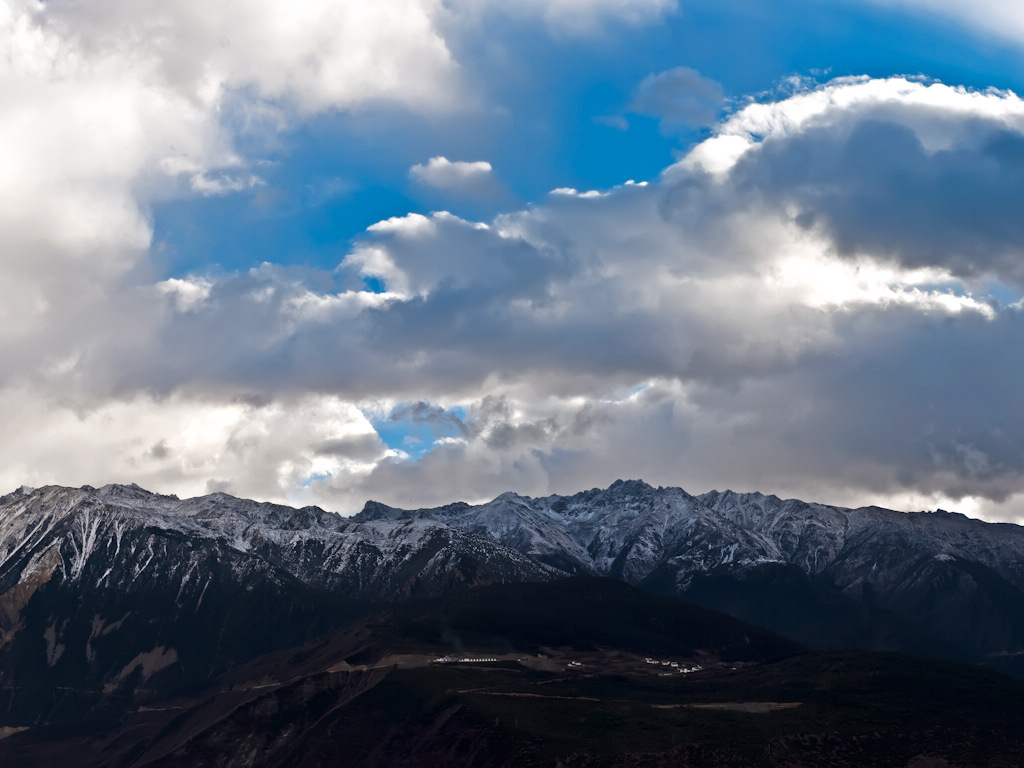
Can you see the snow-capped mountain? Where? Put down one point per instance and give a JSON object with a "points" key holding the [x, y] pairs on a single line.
{"points": [[630, 529], [626, 531], [107, 591], [123, 532], [800, 568]]}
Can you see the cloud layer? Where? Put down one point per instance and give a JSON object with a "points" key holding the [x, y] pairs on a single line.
{"points": [[821, 299]]}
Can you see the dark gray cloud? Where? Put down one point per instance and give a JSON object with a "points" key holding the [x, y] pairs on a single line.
{"points": [[934, 398], [357, 447], [876, 189], [678, 97], [159, 450]]}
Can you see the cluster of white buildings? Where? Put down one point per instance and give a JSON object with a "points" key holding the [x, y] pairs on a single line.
{"points": [[674, 666], [459, 660]]}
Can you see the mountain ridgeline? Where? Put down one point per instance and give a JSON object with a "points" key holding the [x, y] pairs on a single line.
{"points": [[937, 583]]}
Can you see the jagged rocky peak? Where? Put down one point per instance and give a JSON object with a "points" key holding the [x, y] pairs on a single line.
{"points": [[19, 493], [512, 497], [131, 491], [630, 486], [212, 510], [52, 497], [730, 497], [376, 510]]}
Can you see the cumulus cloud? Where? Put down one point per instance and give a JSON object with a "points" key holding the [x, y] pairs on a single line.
{"points": [[316, 55], [104, 103], [108, 107], [928, 171], [455, 176]]}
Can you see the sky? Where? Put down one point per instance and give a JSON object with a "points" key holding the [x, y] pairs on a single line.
{"points": [[423, 251]]}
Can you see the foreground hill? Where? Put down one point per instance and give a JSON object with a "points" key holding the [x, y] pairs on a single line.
{"points": [[573, 672]]}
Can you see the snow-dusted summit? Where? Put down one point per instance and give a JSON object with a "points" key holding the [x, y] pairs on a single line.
{"points": [[123, 536]]}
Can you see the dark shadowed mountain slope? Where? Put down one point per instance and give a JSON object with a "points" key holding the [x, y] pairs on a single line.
{"points": [[375, 694]]}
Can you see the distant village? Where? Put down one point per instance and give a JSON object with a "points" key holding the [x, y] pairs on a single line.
{"points": [[672, 667]]}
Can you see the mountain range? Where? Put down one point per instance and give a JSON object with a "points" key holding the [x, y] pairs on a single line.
{"points": [[112, 596], [933, 582]]}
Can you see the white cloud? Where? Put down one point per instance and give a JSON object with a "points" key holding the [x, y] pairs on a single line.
{"points": [[422, 252], [445, 174], [206, 184], [573, 192], [105, 104], [940, 115], [188, 294], [998, 18], [316, 54], [186, 445]]}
